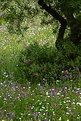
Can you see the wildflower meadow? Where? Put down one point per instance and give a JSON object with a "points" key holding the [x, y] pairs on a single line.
{"points": [[37, 83]]}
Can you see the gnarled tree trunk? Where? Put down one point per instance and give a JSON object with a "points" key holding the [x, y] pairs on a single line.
{"points": [[58, 17]]}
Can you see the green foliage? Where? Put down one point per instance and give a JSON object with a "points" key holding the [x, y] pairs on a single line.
{"points": [[11, 45], [35, 60], [39, 63], [17, 14]]}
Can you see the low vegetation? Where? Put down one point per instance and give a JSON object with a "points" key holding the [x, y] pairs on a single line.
{"points": [[38, 83], [39, 102]]}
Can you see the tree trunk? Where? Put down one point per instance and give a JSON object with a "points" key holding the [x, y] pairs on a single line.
{"points": [[58, 17]]}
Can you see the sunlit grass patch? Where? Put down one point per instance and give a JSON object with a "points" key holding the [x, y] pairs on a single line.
{"points": [[40, 34]]}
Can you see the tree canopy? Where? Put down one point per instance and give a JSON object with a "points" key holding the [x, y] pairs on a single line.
{"points": [[67, 12]]}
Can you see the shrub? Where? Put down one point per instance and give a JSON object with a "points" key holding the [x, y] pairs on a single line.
{"points": [[43, 63]]}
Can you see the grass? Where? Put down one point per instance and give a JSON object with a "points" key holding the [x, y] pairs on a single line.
{"points": [[39, 102], [34, 102]]}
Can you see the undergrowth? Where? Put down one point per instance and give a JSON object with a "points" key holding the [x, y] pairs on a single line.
{"points": [[39, 63]]}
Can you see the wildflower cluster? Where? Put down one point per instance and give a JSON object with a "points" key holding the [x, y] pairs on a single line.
{"points": [[39, 102]]}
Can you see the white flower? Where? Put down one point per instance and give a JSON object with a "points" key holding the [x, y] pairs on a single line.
{"points": [[46, 93], [60, 119], [67, 119], [78, 103]]}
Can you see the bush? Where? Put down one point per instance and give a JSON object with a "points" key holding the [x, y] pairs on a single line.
{"points": [[43, 63]]}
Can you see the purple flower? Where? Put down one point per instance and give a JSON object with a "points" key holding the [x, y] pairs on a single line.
{"points": [[13, 115], [3, 115], [10, 103], [55, 104], [46, 120], [53, 92], [35, 114]]}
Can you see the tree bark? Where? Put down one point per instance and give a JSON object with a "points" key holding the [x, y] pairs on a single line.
{"points": [[63, 22]]}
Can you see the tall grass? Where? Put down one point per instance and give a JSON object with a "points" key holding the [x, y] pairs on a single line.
{"points": [[9, 51]]}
